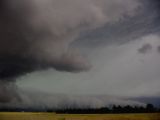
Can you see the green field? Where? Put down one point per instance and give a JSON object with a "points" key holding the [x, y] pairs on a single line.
{"points": [[53, 116]]}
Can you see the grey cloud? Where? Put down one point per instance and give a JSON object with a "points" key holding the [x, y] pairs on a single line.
{"points": [[158, 49], [36, 100], [36, 35], [6, 95], [145, 48], [145, 22]]}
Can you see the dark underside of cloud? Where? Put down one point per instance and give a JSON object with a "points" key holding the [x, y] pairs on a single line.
{"points": [[12, 67], [25, 48]]}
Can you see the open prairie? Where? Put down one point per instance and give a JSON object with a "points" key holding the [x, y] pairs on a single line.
{"points": [[53, 116]]}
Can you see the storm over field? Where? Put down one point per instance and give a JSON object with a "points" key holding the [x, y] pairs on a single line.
{"points": [[70, 49]]}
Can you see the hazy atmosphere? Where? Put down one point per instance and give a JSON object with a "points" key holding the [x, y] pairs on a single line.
{"points": [[79, 52]]}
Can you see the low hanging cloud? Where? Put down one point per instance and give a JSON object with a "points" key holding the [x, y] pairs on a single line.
{"points": [[37, 34], [145, 48], [54, 101], [8, 92]]}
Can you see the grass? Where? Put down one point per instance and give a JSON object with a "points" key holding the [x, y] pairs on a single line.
{"points": [[53, 116]]}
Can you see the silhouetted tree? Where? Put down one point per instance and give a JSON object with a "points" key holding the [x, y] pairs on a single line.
{"points": [[150, 108]]}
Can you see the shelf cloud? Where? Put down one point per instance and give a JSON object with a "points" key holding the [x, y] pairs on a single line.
{"points": [[37, 35]]}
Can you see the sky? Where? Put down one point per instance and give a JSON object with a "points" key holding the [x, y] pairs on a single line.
{"points": [[80, 47], [131, 69]]}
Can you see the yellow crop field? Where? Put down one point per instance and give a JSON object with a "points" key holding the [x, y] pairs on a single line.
{"points": [[110, 117], [27, 116], [53, 116]]}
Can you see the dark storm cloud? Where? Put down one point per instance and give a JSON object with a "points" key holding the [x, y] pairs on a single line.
{"points": [[20, 43], [11, 67], [14, 66], [36, 35], [156, 4], [145, 48], [34, 38]]}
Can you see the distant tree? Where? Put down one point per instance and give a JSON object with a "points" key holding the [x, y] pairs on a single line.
{"points": [[128, 109], [150, 108], [114, 109], [104, 110]]}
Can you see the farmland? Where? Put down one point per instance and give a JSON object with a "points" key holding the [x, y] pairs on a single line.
{"points": [[111, 117], [53, 116]]}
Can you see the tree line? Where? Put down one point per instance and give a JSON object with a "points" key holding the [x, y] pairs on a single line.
{"points": [[149, 108]]}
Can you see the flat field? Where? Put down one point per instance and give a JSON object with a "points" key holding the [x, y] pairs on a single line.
{"points": [[110, 117], [53, 116], [27, 116]]}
